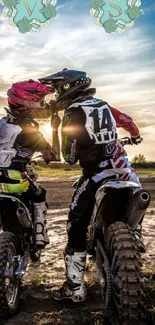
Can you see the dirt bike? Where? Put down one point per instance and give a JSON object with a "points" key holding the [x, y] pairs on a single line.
{"points": [[118, 209], [17, 244]]}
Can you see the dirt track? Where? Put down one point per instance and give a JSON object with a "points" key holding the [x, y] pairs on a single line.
{"points": [[37, 306]]}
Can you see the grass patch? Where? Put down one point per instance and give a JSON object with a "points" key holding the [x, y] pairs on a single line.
{"points": [[50, 171], [36, 280], [53, 172], [89, 265], [145, 171], [63, 169]]}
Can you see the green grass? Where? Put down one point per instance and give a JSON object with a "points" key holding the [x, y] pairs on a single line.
{"points": [[53, 171], [89, 265], [145, 171], [36, 280]]}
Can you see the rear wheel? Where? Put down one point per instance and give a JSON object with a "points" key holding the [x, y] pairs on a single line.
{"points": [[128, 292], [9, 283]]}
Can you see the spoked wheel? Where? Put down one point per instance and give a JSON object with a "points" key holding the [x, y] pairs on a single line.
{"points": [[9, 283], [128, 292], [103, 273]]}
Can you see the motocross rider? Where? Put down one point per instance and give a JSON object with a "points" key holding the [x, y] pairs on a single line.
{"points": [[19, 139], [89, 135]]}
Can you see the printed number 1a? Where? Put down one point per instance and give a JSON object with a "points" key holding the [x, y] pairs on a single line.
{"points": [[106, 120]]}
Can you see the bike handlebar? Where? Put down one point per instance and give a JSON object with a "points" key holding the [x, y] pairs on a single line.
{"points": [[128, 141], [124, 141], [39, 158]]}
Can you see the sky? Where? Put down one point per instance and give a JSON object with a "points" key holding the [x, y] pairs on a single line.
{"points": [[122, 66]]}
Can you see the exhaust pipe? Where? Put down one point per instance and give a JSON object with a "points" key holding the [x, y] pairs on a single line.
{"points": [[140, 202], [23, 218]]}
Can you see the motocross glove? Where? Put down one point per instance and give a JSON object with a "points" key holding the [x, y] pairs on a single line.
{"points": [[49, 155], [136, 140]]}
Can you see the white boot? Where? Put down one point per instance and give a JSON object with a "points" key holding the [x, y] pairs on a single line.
{"points": [[41, 236], [74, 287]]}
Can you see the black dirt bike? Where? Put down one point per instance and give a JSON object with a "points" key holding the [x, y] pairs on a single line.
{"points": [[17, 244], [119, 207]]}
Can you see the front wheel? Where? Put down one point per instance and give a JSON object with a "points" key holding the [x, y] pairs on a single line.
{"points": [[128, 292], [9, 283]]}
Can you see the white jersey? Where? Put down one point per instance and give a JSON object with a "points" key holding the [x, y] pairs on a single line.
{"points": [[8, 135]]}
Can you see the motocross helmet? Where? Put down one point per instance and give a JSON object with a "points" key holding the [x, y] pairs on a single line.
{"points": [[26, 97], [69, 84]]}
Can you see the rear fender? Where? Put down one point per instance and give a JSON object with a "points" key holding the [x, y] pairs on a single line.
{"points": [[113, 194], [119, 185]]}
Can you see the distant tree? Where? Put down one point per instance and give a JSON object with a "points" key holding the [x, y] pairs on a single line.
{"points": [[138, 159]]}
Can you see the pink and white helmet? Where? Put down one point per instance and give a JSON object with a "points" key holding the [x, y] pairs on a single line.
{"points": [[26, 96]]}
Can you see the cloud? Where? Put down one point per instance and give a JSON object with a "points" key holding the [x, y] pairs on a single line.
{"points": [[67, 5], [121, 65], [149, 8]]}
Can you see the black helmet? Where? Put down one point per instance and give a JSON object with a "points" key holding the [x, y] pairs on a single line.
{"points": [[69, 84]]}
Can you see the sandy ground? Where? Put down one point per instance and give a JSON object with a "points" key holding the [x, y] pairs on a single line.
{"points": [[37, 305]]}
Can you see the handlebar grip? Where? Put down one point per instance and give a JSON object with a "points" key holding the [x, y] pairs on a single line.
{"points": [[124, 141], [139, 140]]}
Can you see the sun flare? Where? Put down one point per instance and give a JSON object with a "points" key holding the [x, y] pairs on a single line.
{"points": [[46, 128]]}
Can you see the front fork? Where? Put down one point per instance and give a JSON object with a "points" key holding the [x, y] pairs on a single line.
{"points": [[18, 267]]}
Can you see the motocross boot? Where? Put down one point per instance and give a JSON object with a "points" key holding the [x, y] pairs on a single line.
{"points": [[41, 235], [74, 287], [139, 238]]}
